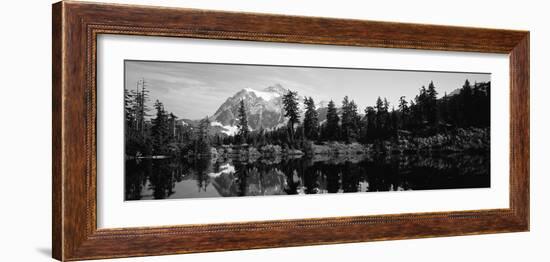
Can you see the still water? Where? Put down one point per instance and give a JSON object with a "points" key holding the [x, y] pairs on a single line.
{"points": [[177, 178]]}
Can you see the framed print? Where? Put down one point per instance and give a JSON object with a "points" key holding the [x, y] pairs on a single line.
{"points": [[182, 130]]}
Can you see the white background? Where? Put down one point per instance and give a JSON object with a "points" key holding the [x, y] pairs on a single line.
{"points": [[25, 136], [114, 212]]}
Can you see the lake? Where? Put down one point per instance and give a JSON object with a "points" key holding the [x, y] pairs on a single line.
{"points": [[203, 178]]}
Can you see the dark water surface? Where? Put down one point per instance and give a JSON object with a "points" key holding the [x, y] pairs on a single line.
{"points": [[177, 178]]}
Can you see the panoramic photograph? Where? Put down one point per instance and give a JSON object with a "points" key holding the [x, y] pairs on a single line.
{"points": [[204, 130]]}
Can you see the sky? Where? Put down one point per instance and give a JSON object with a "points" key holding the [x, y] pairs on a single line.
{"points": [[196, 90]]}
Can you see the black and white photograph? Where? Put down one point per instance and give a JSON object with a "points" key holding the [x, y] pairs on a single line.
{"points": [[202, 130], [209, 131]]}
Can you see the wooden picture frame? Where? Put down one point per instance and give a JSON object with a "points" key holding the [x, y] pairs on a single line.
{"points": [[75, 28]]}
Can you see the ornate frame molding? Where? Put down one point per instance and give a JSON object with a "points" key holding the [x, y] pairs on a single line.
{"points": [[76, 26]]}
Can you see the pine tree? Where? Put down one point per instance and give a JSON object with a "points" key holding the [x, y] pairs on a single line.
{"points": [[290, 105], [370, 118], [466, 88], [403, 105], [416, 114], [380, 114], [466, 103], [311, 121], [431, 104], [243, 122], [202, 145], [160, 130], [350, 120], [129, 112], [332, 126], [394, 120], [141, 109], [404, 110], [386, 105], [172, 125], [444, 109], [421, 103]]}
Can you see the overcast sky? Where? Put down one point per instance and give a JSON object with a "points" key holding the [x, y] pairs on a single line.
{"points": [[195, 90]]}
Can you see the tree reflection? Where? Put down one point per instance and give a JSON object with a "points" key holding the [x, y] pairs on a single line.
{"points": [[202, 166], [157, 178], [135, 180], [241, 178], [161, 181]]}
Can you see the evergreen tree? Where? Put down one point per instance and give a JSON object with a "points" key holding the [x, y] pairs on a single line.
{"points": [[404, 110], [444, 109], [369, 132], [403, 105], [136, 141], [466, 88], [172, 125], [243, 122], [466, 103], [290, 105], [350, 120], [471, 107], [394, 120], [386, 105], [332, 126], [379, 106], [311, 121], [482, 93], [431, 104], [380, 114], [415, 114], [160, 130], [202, 145], [141, 109], [420, 100], [129, 112]]}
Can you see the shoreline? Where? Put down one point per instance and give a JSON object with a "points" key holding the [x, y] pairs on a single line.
{"points": [[460, 140]]}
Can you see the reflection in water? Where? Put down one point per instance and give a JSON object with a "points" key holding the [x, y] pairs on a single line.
{"points": [[174, 178]]}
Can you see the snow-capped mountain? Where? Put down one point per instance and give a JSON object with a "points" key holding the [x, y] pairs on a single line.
{"points": [[264, 109], [454, 92]]}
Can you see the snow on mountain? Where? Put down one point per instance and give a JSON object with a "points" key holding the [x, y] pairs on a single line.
{"points": [[267, 96], [322, 104], [264, 108], [454, 92], [276, 88], [187, 122], [228, 130]]}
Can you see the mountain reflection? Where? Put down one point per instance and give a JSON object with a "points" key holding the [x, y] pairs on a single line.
{"points": [[201, 178]]}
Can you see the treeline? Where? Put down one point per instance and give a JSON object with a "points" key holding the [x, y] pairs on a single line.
{"points": [[137, 136], [161, 133], [149, 135], [424, 115]]}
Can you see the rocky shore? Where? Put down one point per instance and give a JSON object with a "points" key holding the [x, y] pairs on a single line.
{"points": [[459, 140]]}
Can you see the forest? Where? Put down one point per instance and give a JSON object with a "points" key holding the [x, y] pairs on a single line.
{"points": [[456, 121]]}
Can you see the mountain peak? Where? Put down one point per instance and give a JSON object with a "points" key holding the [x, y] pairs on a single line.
{"points": [[265, 95], [276, 88], [454, 92], [322, 104], [264, 108]]}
